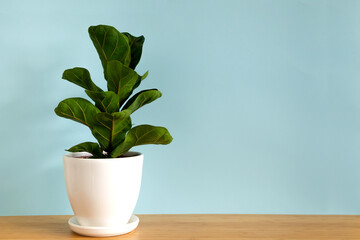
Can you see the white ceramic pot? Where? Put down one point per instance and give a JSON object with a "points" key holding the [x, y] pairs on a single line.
{"points": [[103, 192]]}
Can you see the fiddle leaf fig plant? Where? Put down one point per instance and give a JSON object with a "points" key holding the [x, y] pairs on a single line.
{"points": [[109, 117]]}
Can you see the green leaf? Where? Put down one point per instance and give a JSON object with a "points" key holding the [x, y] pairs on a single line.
{"points": [[105, 101], [142, 98], [81, 77], [145, 75], [140, 135], [110, 45], [136, 45], [110, 129], [138, 81], [120, 79], [77, 109], [89, 147]]}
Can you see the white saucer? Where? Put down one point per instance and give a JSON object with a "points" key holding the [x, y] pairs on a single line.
{"points": [[103, 231]]}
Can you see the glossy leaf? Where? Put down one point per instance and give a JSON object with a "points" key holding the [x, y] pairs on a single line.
{"points": [[89, 147], [110, 129], [110, 44], [136, 45], [121, 79], [77, 109], [140, 135], [105, 101], [142, 98], [81, 77]]}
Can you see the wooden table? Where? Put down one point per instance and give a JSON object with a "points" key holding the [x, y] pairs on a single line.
{"points": [[214, 226]]}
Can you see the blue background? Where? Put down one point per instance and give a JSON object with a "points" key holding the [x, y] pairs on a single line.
{"points": [[262, 98]]}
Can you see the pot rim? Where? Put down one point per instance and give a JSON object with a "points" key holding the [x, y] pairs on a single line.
{"points": [[77, 156]]}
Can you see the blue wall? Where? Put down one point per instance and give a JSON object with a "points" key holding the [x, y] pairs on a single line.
{"points": [[262, 98]]}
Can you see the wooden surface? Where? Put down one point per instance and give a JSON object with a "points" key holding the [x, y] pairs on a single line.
{"points": [[215, 226]]}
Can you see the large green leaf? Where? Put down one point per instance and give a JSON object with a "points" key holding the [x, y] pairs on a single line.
{"points": [[140, 135], [105, 101], [142, 98], [77, 109], [136, 45], [110, 129], [120, 79], [110, 45], [80, 76], [89, 147]]}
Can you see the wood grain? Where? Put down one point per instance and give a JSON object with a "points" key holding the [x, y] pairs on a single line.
{"points": [[197, 227]]}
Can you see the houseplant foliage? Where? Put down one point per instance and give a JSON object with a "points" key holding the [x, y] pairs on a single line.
{"points": [[109, 117]]}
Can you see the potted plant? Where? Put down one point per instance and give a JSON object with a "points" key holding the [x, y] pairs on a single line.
{"points": [[103, 178]]}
